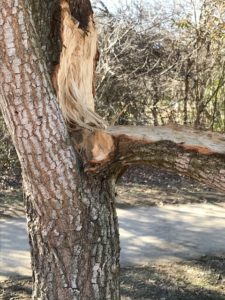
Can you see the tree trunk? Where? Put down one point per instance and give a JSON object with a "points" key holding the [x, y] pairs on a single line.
{"points": [[75, 249], [71, 217], [69, 177], [156, 99], [186, 90], [46, 18]]}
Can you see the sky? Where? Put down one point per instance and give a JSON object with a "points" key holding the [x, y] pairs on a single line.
{"points": [[168, 5], [112, 4]]}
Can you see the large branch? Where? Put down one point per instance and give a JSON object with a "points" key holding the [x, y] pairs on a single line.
{"points": [[198, 154]]}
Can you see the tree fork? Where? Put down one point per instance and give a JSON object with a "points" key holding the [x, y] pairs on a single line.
{"points": [[69, 177], [71, 216]]}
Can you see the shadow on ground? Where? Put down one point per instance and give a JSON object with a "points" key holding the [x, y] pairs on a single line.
{"points": [[16, 288], [202, 279], [148, 186], [170, 233]]}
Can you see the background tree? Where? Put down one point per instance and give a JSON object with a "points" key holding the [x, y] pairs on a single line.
{"points": [[69, 164], [163, 65], [9, 164]]}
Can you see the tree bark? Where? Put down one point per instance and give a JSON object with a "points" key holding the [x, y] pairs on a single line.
{"points": [[71, 217], [69, 177], [46, 18], [195, 153]]}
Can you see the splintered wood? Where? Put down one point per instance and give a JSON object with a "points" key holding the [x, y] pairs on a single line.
{"points": [[73, 77], [178, 147]]}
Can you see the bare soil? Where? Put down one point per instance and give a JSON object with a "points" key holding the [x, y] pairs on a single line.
{"points": [[147, 186], [11, 203], [18, 288], [201, 279]]}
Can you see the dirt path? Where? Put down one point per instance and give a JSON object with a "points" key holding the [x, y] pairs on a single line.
{"points": [[14, 248], [148, 234], [171, 233]]}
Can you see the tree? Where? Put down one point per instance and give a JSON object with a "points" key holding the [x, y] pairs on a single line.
{"points": [[162, 65], [69, 163]]}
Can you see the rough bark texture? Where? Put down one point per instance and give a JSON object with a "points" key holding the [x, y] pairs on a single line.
{"points": [[69, 182], [200, 155], [71, 217], [46, 17]]}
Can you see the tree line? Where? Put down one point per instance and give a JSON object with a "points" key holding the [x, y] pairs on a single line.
{"points": [[160, 66]]}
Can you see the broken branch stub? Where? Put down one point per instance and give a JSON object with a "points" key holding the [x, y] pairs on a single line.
{"points": [[198, 154]]}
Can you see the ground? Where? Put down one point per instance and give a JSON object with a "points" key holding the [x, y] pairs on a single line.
{"points": [[141, 186], [199, 279]]}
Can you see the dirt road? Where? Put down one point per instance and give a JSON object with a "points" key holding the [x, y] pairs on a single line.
{"points": [[147, 234], [171, 233], [14, 248]]}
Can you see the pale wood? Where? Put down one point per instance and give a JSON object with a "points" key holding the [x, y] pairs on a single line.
{"points": [[204, 142], [198, 154], [75, 74]]}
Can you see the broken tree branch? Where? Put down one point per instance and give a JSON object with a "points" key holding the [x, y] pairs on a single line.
{"points": [[200, 155]]}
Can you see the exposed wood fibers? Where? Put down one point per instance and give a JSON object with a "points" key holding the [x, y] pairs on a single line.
{"points": [[73, 80], [104, 147], [197, 149], [73, 77]]}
